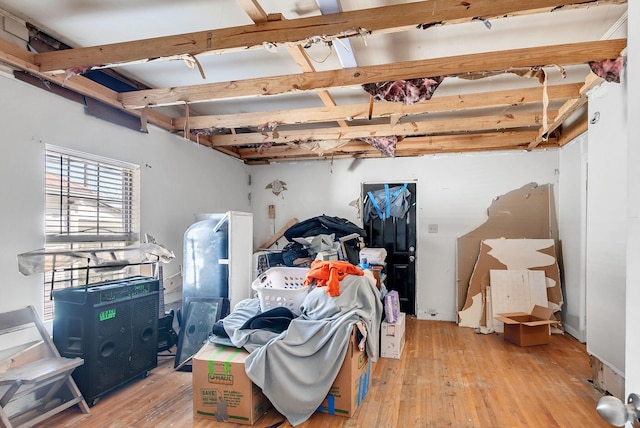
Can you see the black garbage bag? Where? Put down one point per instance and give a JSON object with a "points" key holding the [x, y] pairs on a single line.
{"points": [[323, 225]]}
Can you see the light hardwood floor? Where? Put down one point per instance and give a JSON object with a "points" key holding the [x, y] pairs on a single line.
{"points": [[448, 376]]}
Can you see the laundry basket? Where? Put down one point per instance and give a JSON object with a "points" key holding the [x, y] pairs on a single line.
{"points": [[281, 286]]}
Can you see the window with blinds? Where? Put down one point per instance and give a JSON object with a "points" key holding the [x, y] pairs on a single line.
{"points": [[91, 203]]}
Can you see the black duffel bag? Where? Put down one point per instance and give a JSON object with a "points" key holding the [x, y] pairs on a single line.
{"points": [[323, 225]]}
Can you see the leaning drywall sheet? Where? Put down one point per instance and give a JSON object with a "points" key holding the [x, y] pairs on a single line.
{"points": [[474, 308], [527, 212], [517, 290], [513, 254]]}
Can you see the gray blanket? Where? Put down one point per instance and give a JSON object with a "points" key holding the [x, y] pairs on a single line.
{"points": [[296, 368], [249, 339]]}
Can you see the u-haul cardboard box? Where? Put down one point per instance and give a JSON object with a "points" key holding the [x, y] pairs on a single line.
{"points": [[352, 383], [392, 337], [222, 391], [526, 329]]}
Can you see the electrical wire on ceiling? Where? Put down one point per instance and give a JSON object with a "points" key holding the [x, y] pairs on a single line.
{"points": [[330, 44]]}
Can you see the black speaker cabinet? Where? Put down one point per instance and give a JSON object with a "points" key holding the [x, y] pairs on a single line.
{"points": [[113, 326]]}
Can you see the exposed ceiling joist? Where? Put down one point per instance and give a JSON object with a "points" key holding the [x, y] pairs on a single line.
{"points": [[258, 15], [568, 108], [412, 146], [383, 19], [253, 9], [474, 118], [566, 54], [301, 58], [384, 109], [482, 123]]}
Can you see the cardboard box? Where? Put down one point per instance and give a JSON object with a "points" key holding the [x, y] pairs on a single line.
{"points": [[528, 329], [392, 338], [352, 383], [222, 391], [377, 274]]}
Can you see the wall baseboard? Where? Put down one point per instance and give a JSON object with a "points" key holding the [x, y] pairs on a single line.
{"points": [[579, 336]]}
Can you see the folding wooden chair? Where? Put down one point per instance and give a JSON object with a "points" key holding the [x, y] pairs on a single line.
{"points": [[36, 382]]}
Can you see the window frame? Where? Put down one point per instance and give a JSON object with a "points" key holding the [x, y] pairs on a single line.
{"points": [[91, 202]]}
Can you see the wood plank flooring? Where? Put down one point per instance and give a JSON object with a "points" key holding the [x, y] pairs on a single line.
{"points": [[448, 376]]}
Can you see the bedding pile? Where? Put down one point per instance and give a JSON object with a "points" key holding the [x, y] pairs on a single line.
{"points": [[296, 359]]}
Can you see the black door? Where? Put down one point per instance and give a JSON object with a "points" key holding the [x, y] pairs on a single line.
{"points": [[398, 236]]}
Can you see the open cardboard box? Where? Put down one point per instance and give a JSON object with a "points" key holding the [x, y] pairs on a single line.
{"points": [[526, 329]]}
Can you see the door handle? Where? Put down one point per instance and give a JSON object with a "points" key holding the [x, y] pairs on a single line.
{"points": [[412, 258]]}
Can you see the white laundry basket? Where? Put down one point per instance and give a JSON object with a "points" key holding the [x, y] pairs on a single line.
{"points": [[281, 286]]}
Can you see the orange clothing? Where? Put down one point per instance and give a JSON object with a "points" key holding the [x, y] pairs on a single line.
{"points": [[330, 273]]}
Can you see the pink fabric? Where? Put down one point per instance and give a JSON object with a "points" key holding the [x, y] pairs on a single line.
{"points": [[387, 145], [405, 91], [265, 146], [608, 69]]}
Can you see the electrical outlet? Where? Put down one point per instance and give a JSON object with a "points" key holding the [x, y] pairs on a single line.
{"points": [[432, 228]]}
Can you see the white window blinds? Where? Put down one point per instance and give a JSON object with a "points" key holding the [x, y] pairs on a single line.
{"points": [[91, 203], [89, 200]]}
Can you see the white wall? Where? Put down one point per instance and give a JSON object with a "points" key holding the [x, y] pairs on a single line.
{"points": [[178, 178], [572, 204], [632, 369], [607, 225], [454, 192]]}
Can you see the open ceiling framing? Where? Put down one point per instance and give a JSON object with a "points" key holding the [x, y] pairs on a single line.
{"points": [[521, 118]]}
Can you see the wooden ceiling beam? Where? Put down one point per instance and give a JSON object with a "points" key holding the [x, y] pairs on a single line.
{"points": [[253, 9], [345, 24], [300, 57], [258, 15], [17, 57], [411, 146], [565, 54], [295, 156], [568, 108], [22, 59], [467, 124], [478, 141], [504, 98]]}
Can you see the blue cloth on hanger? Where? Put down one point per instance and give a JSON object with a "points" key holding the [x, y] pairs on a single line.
{"points": [[395, 200]]}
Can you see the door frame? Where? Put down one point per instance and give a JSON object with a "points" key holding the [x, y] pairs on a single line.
{"points": [[417, 226]]}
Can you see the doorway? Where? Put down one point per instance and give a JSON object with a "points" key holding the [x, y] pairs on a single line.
{"points": [[386, 228]]}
